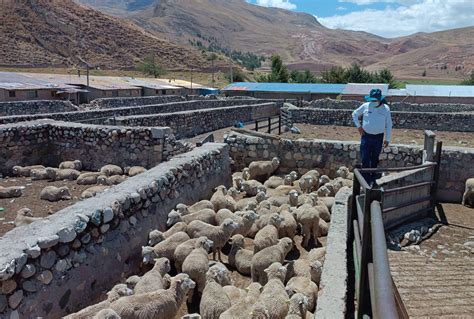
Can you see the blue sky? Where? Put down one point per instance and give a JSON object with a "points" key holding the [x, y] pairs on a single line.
{"points": [[388, 18]]}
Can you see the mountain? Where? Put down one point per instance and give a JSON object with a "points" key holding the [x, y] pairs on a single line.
{"points": [[298, 37], [63, 33]]}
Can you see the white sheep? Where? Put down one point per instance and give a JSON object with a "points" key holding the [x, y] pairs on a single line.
{"points": [[184, 249], [316, 269], [106, 314], [288, 226], [196, 264], [109, 170], [157, 304], [342, 172], [219, 235], [214, 300], [11, 192], [268, 219], [274, 297], [324, 213], [306, 287], [273, 182], [317, 254], [324, 179], [111, 180], [134, 170], [156, 236], [299, 307], [242, 308], [185, 210], [165, 248], [262, 170], [246, 174], [224, 213], [251, 187], [268, 235], [62, 174], [221, 200], [153, 279], [25, 170], [246, 222], [234, 294], [54, 194], [264, 258], [89, 178], [308, 218], [206, 215], [237, 182], [39, 174], [239, 257], [77, 165], [93, 191], [468, 196], [323, 228], [24, 216], [324, 191]]}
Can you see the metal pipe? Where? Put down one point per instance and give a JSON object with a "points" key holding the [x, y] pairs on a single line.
{"points": [[403, 188], [361, 179], [395, 169], [384, 301]]}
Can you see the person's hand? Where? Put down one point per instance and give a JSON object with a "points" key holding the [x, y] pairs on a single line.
{"points": [[361, 131], [386, 143]]}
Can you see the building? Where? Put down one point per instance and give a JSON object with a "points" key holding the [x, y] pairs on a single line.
{"points": [[22, 87], [151, 87], [462, 94], [358, 91], [306, 92]]}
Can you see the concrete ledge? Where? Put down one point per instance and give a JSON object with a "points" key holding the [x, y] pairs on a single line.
{"points": [[332, 298]]}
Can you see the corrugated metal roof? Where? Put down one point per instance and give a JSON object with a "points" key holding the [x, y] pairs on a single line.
{"points": [[397, 92], [148, 83], [17, 81], [441, 90], [286, 87], [364, 88]]}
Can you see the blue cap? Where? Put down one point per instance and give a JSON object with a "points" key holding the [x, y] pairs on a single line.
{"points": [[375, 95]]}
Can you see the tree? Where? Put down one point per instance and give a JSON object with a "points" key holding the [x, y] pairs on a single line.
{"points": [[385, 76], [356, 74], [150, 67], [237, 76], [335, 74], [279, 72], [303, 77], [469, 80]]}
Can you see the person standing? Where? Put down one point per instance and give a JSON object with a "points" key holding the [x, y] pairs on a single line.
{"points": [[375, 129]]}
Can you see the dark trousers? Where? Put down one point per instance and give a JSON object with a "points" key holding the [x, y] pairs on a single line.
{"points": [[370, 148]]}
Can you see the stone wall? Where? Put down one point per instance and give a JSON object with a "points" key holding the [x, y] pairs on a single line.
{"points": [[64, 262], [35, 107], [49, 142], [395, 106], [192, 123], [102, 115], [326, 155], [459, 122], [107, 103]]}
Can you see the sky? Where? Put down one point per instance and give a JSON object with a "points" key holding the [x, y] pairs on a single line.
{"points": [[386, 18]]}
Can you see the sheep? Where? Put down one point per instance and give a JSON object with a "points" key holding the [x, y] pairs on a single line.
{"points": [[165, 248], [268, 219], [323, 212], [288, 226], [298, 307], [157, 304], [251, 187], [111, 180], [185, 210], [468, 196], [62, 174], [267, 256], [323, 228], [242, 308], [153, 279], [306, 184], [324, 179], [156, 236], [306, 287], [110, 170], [224, 213], [235, 193], [274, 297], [25, 217], [246, 174], [234, 294], [106, 314], [273, 182], [308, 217], [214, 300], [184, 249], [328, 202], [11, 192], [316, 270], [196, 264], [324, 191], [134, 170], [224, 279], [250, 203], [37, 174], [259, 311], [268, 235], [239, 257], [89, 178], [282, 190], [25, 170], [342, 172], [237, 182], [94, 190], [119, 291], [245, 224], [219, 235], [77, 165], [55, 194], [317, 254], [206, 215], [262, 170], [220, 199]]}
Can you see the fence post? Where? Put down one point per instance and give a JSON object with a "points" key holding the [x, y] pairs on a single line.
{"points": [[428, 146], [434, 187], [256, 125], [269, 125], [279, 124]]}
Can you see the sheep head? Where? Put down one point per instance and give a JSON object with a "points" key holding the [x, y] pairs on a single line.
{"points": [[261, 196], [246, 174], [16, 170], [293, 194], [237, 240], [286, 243], [288, 180], [102, 180], [276, 271], [64, 191], [204, 242], [173, 218], [52, 173], [182, 209], [77, 164], [294, 175], [147, 254], [183, 282], [229, 225], [238, 182], [275, 162], [250, 215], [342, 172], [300, 301], [276, 219], [155, 237], [163, 265], [233, 192], [25, 212], [324, 180], [222, 189]]}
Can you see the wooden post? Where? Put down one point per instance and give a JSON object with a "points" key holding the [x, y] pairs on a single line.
{"points": [[428, 147], [256, 125], [269, 125], [279, 124]]}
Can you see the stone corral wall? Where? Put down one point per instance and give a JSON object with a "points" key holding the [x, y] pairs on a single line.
{"points": [[395, 106], [459, 122], [301, 155], [49, 142], [35, 107], [107, 103], [100, 116], [192, 123], [64, 262]]}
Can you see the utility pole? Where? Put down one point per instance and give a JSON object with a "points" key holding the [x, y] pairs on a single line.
{"points": [[231, 74], [212, 63], [191, 78], [87, 75]]}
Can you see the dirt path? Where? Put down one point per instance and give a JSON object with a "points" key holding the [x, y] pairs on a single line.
{"points": [[436, 278]]}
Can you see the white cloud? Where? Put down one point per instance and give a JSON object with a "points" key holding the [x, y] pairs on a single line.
{"points": [[419, 16], [341, 8], [283, 4], [366, 2]]}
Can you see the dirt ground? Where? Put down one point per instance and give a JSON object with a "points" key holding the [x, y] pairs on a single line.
{"points": [[346, 133], [31, 200]]}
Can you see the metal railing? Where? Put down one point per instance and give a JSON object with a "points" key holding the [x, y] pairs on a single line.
{"points": [[270, 124], [373, 287]]}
